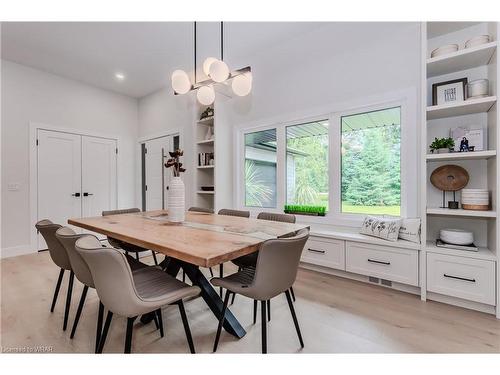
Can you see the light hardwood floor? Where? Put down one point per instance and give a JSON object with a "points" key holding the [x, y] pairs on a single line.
{"points": [[336, 315]]}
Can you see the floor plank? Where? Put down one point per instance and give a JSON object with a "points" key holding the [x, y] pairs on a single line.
{"points": [[336, 316]]}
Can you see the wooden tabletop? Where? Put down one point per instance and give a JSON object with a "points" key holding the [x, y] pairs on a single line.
{"points": [[202, 239]]}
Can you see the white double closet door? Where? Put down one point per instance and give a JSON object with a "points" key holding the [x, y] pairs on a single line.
{"points": [[76, 176]]}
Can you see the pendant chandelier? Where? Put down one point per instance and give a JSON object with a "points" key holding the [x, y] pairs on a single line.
{"points": [[218, 73]]}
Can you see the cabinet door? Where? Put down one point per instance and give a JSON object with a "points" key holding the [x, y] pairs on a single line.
{"points": [[59, 177], [156, 191], [98, 175]]}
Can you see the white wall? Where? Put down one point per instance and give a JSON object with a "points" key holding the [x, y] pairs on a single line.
{"points": [[30, 95]]}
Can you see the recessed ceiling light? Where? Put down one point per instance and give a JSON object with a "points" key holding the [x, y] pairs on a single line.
{"points": [[120, 76]]}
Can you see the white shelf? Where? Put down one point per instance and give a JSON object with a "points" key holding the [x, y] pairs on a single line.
{"points": [[205, 166], [205, 142], [465, 107], [206, 121], [461, 60], [482, 253], [459, 212], [462, 155], [205, 192]]}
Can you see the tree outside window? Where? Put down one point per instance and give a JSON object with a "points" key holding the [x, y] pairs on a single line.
{"points": [[371, 155]]}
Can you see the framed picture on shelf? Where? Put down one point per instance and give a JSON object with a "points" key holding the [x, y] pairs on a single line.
{"points": [[449, 91]]}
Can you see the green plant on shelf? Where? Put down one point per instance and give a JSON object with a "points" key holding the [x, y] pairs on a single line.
{"points": [[305, 210], [439, 143]]}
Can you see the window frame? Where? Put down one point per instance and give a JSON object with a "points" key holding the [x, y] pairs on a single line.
{"points": [[405, 99]]}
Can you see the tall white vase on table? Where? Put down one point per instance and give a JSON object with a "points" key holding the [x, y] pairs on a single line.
{"points": [[176, 200]]}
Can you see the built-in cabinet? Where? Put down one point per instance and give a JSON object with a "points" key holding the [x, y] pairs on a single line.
{"points": [[464, 278]]}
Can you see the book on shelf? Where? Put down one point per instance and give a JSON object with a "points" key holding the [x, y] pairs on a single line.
{"points": [[205, 158], [470, 247]]}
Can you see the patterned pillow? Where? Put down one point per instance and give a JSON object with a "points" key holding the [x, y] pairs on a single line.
{"points": [[385, 228]]}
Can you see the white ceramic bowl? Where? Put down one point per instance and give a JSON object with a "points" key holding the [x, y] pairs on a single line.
{"points": [[456, 236], [477, 41], [444, 50]]}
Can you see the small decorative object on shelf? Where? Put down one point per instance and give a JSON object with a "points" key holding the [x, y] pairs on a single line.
{"points": [[468, 140], [477, 41], [477, 89], [209, 112], [305, 210], [444, 50], [475, 199], [210, 134], [442, 145], [176, 198], [449, 91], [450, 178]]}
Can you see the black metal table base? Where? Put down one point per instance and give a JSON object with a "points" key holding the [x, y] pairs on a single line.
{"points": [[208, 293]]}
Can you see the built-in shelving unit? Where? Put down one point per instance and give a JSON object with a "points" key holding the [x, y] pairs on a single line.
{"points": [[462, 156], [466, 107], [459, 212], [205, 144], [484, 170], [461, 60]]}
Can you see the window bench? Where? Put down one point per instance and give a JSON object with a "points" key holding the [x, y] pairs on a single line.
{"points": [[380, 261]]}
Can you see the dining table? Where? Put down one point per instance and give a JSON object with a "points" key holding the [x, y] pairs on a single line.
{"points": [[202, 240]]}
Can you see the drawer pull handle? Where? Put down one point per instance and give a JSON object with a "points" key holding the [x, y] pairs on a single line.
{"points": [[460, 278], [317, 251], [378, 261]]}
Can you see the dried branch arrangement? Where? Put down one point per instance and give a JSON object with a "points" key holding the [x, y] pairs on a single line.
{"points": [[175, 163]]}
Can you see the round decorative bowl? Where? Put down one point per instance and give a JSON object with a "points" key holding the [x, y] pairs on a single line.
{"points": [[456, 236]]}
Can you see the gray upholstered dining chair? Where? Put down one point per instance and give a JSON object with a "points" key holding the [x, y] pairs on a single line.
{"points": [[67, 237], [60, 257], [201, 209], [117, 244], [130, 294], [274, 273], [250, 260], [229, 212]]}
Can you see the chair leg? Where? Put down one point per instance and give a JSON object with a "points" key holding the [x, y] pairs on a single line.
{"points": [[295, 322], [254, 311], [68, 299], [263, 305], [183, 276], [221, 320], [186, 326], [56, 292], [268, 310], [211, 272], [137, 255], [232, 299], [128, 335], [293, 294], [160, 322], [154, 257], [79, 310], [155, 318], [100, 316], [104, 333], [221, 275]]}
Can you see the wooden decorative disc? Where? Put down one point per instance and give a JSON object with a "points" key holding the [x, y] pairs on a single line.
{"points": [[449, 178]]}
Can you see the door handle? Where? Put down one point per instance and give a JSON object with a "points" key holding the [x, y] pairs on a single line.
{"points": [[459, 278], [316, 251], [87, 194], [75, 195]]}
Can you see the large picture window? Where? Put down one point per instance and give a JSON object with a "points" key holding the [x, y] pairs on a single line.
{"points": [[370, 166], [260, 169], [307, 164]]}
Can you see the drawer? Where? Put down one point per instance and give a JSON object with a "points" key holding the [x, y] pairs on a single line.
{"points": [[390, 263], [325, 253], [470, 279]]}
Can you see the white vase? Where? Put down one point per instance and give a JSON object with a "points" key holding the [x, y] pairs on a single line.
{"points": [[176, 200]]}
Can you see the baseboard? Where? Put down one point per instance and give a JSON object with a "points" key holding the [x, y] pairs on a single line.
{"points": [[461, 303], [14, 251]]}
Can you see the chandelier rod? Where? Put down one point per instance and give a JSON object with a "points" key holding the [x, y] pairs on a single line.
{"points": [[195, 52]]}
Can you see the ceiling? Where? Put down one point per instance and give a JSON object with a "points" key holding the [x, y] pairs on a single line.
{"points": [[145, 52]]}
